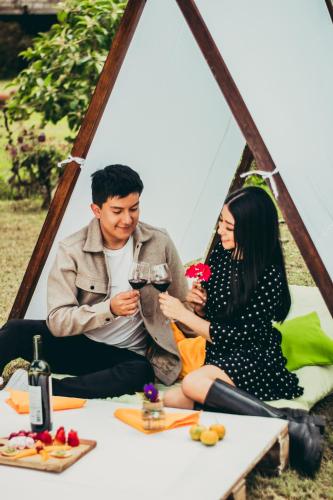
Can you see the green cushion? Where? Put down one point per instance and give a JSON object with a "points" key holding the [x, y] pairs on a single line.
{"points": [[317, 382], [304, 343]]}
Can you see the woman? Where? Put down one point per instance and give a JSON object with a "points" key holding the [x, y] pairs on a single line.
{"points": [[234, 311]]}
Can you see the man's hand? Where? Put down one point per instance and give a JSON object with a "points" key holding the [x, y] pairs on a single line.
{"points": [[197, 298], [125, 303]]}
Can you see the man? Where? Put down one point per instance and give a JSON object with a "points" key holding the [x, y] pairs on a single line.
{"points": [[111, 338]]}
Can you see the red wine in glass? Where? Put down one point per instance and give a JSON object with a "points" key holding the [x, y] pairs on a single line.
{"points": [[160, 278], [161, 286], [138, 276], [137, 283]]}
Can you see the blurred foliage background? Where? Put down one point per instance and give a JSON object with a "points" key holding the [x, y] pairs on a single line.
{"points": [[58, 72]]}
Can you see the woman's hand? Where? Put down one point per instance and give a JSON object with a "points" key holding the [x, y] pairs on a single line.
{"points": [[171, 307], [197, 298]]}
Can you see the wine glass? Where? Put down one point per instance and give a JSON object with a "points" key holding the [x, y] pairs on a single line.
{"points": [[138, 276], [160, 278]]}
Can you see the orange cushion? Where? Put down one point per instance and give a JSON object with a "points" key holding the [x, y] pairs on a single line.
{"points": [[192, 350]]}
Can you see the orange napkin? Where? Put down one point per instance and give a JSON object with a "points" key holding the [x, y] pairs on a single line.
{"points": [[19, 401], [172, 420]]}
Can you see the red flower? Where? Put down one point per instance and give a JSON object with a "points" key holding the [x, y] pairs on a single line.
{"points": [[200, 271], [191, 272], [60, 436], [45, 437], [73, 438]]}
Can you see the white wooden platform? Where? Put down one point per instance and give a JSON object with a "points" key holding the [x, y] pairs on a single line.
{"points": [[127, 464]]}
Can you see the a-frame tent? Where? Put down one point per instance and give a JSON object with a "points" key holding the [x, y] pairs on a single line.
{"points": [[187, 84]]}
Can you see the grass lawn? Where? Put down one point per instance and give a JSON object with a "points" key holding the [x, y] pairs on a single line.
{"points": [[20, 223], [56, 133]]}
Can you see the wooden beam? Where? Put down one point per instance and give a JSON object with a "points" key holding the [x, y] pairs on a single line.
{"points": [[255, 142], [80, 149], [329, 5]]}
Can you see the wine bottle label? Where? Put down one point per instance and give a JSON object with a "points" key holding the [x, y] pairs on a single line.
{"points": [[35, 404]]}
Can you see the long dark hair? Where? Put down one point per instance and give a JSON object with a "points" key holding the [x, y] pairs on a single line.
{"points": [[258, 246]]}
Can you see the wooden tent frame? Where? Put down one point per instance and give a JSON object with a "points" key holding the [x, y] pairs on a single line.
{"points": [[256, 149]]}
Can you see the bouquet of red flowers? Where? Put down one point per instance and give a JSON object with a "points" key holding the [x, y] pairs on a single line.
{"points": [[199, 271]]}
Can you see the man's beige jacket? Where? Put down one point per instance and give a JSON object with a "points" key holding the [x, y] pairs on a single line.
{"points": [[79, 284]]}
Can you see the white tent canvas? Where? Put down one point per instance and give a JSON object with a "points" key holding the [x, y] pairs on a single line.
{"points": [[285, 76], [164, 114]]}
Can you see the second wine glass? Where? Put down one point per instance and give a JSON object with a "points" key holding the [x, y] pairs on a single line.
{"points": [[160, 277]]}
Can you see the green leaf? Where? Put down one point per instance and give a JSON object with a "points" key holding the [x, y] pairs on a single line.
{"points": [[65, 62], [62, 16]]}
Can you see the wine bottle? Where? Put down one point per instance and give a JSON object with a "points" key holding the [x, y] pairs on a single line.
{"points": [[40, 390]]}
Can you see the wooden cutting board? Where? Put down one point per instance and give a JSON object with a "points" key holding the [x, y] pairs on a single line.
{"points": [[52, 464]]}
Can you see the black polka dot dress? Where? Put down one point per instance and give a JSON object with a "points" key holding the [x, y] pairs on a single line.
{"points": [[247, 347]]}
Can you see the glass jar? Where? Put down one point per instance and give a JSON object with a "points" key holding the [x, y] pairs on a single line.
{"points": [[153, 415]]}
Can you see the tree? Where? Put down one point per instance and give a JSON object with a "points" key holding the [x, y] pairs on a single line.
{"points": [[65, 62]]}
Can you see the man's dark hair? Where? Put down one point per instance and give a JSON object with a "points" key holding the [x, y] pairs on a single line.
{"points": [[114, 180]]}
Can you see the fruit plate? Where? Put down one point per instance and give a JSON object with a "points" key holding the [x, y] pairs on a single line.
{"points": [[52, 464]]}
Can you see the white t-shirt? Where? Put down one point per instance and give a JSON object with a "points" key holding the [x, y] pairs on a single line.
{"points": [[124, 332]]}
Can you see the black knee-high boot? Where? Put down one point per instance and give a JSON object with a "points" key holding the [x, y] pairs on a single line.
{"points": [[261, 409], [306, 444]]}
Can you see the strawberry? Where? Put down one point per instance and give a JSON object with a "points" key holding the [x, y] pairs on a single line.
{"points": [[45, 437], [12, 435], [60, 436], [19, 433], [73, 438], [39, 446], [22, 433]]}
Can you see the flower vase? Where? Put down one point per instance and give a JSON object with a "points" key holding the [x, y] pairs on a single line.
{"points": [[153, 415]]}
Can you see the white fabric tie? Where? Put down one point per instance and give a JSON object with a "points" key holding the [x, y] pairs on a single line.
{"points": [[265, 175], [77, 159]]}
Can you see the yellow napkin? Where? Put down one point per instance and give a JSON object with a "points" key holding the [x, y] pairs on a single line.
{"points": [[19, 401], [172, 420]]}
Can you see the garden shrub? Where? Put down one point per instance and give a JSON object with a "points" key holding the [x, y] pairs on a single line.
{"points": [[34, 170]]}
